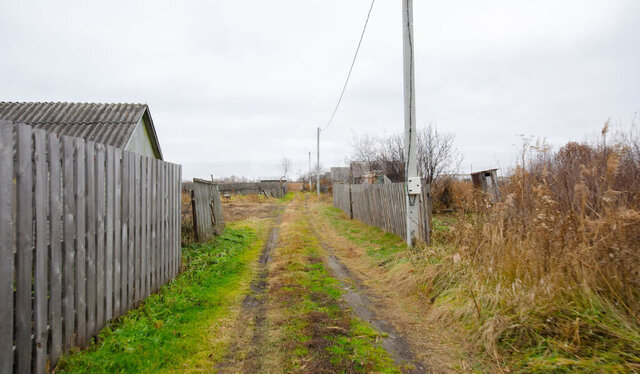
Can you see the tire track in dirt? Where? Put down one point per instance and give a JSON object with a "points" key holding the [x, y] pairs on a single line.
{"points": [[355, 295], [253, 316]]}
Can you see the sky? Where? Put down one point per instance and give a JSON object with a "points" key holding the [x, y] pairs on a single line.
{"points": [[236, 86]]}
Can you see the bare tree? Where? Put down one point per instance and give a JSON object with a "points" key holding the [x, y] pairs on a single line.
{"points": [[437, 154], [285, 166]]}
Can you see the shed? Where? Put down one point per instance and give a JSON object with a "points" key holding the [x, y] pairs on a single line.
{"points": [[487, 180], [125, 126]]}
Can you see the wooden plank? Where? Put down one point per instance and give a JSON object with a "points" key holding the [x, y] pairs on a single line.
{"points": [[171, 222], [144, 184], [55, 249], [179, 230], [159, 224], [176, 197], [153, 225], [168, 225], [172, 247], [150, 204], [132, 222], [138, 227], [41, 255], [24, 244], [90, 189], [162, 171], [117, 232], [124, 299], [7, 246], [108, 249], [81, 261], [100, 238], [68, 293], [176, 207]]}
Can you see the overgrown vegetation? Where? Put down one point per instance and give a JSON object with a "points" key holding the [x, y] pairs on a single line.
{"points": [[547, 280], [170, 326], [556, 265]]}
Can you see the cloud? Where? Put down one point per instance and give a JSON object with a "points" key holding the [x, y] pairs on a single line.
{"points": [[235, 86]]}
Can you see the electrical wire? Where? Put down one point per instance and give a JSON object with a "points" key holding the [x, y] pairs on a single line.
{"points": [[344, 88]]}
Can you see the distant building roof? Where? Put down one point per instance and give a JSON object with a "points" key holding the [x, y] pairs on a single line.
{"points": [[483, 171], [110, 124]]}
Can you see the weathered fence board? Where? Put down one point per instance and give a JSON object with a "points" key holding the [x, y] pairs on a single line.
{"points": [[138, 241], [68, 292], [41, 255], [55, 248], [91, 234], [100, 242], [108, 253], [207, 209], [132, 228], [24, 243], [80, 233], [124, 305], [117, 231], [382, 206], [71, 238], [7, 248]]}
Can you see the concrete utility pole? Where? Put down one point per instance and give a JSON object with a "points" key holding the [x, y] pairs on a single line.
{"points": [[309, 171], [413, 186], [318, 166]]}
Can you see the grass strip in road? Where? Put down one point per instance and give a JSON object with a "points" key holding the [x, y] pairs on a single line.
{"points": [[318, 335], [171, 326]]}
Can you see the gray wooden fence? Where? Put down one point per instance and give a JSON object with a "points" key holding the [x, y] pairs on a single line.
{"points": [[207, 209], [383, 206], [86, 232], [268, 188]]}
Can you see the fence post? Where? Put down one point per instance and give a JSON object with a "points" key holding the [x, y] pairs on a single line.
{"points": [[350, 203]]}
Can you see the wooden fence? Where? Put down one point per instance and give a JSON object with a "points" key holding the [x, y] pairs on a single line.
{"points": [[86, 232], [383, 206], [207, 209], [267, 188]]}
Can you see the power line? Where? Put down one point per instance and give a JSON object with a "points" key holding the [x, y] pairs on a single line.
{"points": [[364, 29]]}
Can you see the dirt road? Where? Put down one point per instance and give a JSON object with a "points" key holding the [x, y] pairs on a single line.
{"points": [[306, 311]]}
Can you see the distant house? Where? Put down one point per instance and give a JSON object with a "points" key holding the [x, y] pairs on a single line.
{"points": [[125, 126]]}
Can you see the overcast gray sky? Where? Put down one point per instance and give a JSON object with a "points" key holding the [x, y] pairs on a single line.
{"points": [[234, 86]]}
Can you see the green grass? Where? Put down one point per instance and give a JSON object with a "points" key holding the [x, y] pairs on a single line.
{"points": [[287, 197], [382, 245], [170, 326]]}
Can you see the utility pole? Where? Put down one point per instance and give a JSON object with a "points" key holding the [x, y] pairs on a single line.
{"points": [[318, 166], [309, 171], [413, 186]]}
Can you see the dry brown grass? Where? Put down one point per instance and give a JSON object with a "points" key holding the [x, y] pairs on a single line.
{"points": [[557, 263]]}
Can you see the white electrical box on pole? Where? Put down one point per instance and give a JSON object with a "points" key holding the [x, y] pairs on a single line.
{"points": [[413, 186], [318, 166]]}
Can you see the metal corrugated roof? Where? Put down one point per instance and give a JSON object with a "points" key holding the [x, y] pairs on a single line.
{"points": [[111, 124]]}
